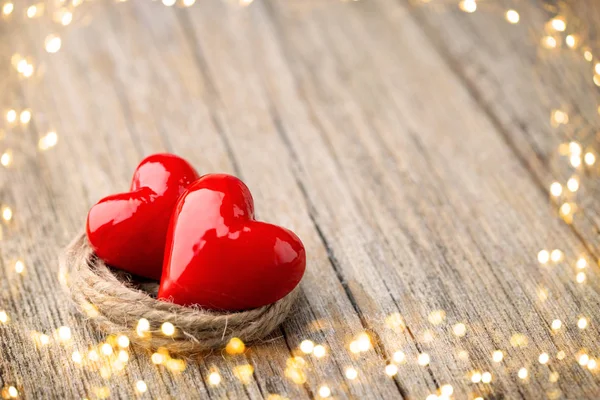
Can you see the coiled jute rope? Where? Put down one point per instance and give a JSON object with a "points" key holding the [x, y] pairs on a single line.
{"points": [[119, 302]]}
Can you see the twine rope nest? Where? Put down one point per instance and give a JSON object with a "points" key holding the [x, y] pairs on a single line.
{"points": [[119, 303]]}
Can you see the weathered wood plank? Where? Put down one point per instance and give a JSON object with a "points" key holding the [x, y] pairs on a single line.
{"points": [[385, 45], [519, 84]]}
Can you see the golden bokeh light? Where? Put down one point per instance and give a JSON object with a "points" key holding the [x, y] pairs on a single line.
{"points": [[235, 346], [106, 349], [77, 357], [556, 324], [583, 359], [141, 386], [459, 329], [7, 213], [549, 42], [556, 255], [519, 340], [157, 358], [391, 369], [468, 6], [512, 16], [556, 190], [559, 24], [8, 8], [25, 116], [307, 346], [167, 328], [6, 158], [486, 377], [437, 317], [447, 390], [214, 378], [19, 267], [324, 391], [497, 356], [399, 357], [123, 341], [244, 373], [52, 43], [64, 333], [351, 373], [523, 373], [319, 351], [543, 256], [395, 321]]}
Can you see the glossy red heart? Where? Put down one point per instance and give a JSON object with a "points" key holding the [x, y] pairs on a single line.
{"points": [[128, 230], [218, 257]]}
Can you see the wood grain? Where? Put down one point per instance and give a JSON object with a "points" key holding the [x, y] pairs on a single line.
{"points": [[408, 147]]}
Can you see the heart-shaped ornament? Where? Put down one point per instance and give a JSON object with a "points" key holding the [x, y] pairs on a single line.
{"points": [[217, 256], [128, 230]]}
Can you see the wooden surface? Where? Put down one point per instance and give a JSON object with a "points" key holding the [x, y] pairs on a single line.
{"points": [[410, 147]]}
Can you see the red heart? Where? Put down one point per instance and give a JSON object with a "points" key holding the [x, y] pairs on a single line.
{"points": [[217, 256], [128, 230]]}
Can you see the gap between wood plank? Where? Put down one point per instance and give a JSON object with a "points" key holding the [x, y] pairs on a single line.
{"points": [[379, 347]]}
